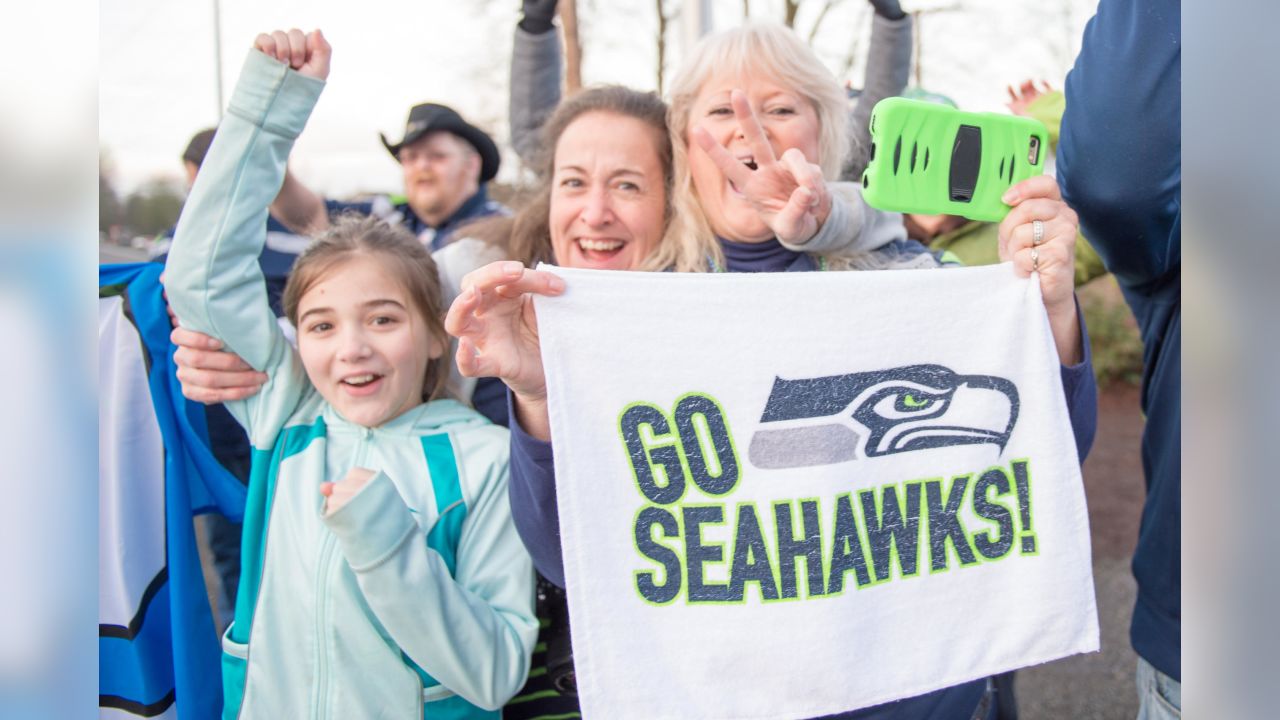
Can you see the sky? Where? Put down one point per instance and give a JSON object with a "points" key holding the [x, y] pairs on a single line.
{"points": [[158, 77]]}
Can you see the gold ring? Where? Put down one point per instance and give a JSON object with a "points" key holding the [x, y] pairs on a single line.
{"points": [[1037, 232], [1035, 260]]}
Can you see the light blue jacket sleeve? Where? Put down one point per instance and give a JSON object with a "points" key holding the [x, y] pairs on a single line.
{"points": [[213, 279], [474, 631]]}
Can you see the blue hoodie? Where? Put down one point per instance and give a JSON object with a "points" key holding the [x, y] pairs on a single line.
{"points": [[1120, 165]]}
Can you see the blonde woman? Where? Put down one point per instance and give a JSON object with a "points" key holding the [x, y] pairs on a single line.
{"points": [[757, 127]]}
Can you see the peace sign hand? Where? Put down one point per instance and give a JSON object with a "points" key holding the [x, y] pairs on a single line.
{"points": [[789, 193]]}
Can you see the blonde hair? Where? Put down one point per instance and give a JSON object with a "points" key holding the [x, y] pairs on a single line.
{"points": [[407, 263], [753, 49], [526, 236]]}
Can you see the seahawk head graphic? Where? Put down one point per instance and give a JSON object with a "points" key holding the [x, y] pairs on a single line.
{"points": [[825, 420]]}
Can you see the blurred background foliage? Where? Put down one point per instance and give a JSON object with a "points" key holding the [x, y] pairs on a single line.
{"points": [[1117, 347]]}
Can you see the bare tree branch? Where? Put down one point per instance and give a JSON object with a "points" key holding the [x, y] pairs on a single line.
{"points": [[855, 47], [572, 47], [917, 16], [826, 8], [662, 42]]}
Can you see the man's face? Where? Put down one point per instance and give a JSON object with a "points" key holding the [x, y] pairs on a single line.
{"points": [[441, 170]]}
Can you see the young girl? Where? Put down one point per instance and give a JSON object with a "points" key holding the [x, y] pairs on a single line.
{"points": [[382, 576]]}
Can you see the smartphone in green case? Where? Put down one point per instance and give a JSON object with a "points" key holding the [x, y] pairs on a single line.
{"points": [[933, 159]]}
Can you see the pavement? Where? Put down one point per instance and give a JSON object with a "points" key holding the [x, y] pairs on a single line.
{"points": [[108, 253], [1100, 686]]}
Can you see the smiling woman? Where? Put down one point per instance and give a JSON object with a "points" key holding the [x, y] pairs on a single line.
{"points": [[794, 113], [603, 197], [608, 201]]}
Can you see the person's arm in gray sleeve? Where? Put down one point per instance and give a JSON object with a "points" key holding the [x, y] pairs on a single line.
{"points": [[888, 69], [535, 77], [853, 227]]}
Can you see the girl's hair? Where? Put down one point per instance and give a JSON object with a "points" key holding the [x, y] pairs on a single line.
{"points": [[407, 263], [754, 49], [526, 236]]}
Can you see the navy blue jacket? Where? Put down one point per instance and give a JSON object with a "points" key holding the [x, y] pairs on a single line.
{"points": [[1120, 165], [476, 207], [533, 489]]}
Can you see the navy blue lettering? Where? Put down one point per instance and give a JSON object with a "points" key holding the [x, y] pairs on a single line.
{"points": [[645, 460], [666, 557], [1022, 482], [808, 547], [688, 408], [846, 550], [695, 553], [751, 558], [892, 528], [945, 525], [993, 549]]}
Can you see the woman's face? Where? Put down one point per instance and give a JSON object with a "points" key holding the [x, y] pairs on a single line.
{"points": [[788, 119], [608, 193]]}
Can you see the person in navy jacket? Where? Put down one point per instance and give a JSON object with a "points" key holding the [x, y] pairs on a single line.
{"points": [[1120, 164]]}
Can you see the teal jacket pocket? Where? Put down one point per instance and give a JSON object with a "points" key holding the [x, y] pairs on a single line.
{"points": [[235, 665]]}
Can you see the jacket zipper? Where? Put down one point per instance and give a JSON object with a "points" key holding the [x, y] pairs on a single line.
{"points": [[321, 702], [325, 569]]}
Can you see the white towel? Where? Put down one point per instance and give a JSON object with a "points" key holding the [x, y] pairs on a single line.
{"points": [[820, 412]]}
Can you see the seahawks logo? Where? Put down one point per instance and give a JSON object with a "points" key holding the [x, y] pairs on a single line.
{"points": [[827, 420]]}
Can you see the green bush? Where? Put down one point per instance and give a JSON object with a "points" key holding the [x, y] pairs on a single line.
{"points": [[1113, 333]]}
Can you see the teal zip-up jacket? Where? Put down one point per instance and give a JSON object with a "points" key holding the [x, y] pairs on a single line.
{"points": [[415, 599]]}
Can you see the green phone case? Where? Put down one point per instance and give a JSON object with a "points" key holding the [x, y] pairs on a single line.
{"points": [[932, 159]]}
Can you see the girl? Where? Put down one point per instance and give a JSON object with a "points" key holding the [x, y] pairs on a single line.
{"points": [[381, 568]]}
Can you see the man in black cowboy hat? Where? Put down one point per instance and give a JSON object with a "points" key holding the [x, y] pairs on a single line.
{"points": [[446, 163]]}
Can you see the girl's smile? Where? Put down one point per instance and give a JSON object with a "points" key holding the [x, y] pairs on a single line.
{"points": [[363, 343]]}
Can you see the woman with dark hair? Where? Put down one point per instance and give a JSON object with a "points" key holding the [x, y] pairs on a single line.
{"points": [[749, 103]]}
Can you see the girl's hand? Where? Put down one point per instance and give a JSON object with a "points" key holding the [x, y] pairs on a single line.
{"points": [[209, 374], [340, 493], [1039, 235], [497, 332], [308, 54], [789, 193]]}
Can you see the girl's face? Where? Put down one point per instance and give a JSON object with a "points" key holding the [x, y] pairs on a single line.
{"points": [[789, 121], [608, 193], [363, 342]]}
